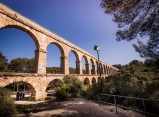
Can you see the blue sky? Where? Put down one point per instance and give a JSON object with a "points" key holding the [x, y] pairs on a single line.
{"points": [[82, 22]]}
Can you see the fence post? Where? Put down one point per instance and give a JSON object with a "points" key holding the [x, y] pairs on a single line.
{"points": [[126, 102], [144, 105], [115, 104]]}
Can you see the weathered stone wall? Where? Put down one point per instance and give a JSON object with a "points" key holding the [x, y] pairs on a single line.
{"points": [[38, 83]]}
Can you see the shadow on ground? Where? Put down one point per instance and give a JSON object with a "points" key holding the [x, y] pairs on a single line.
{"points": [[76, 107]]}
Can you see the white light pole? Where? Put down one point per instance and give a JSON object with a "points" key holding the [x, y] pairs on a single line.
{"points": [[97, 49]]}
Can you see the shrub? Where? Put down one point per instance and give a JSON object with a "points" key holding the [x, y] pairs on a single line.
{"points": [[71, 79], [90, 92], [7, 106], [62, 93], [70, 88], [84, 92]]}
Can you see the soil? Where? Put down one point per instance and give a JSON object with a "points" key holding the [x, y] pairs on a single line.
{"points": [[76, 107]]}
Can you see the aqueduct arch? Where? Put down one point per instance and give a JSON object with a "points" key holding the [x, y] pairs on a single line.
{"points": [[24, 29], [86, 81], [29, 32], [94, 81], [97, 67], [62, 55], [42, 38], [32, 87], [93, 70], [101, 68], [77, 62], [28, 86], [54, 83], [31, 35], [86, 64]]}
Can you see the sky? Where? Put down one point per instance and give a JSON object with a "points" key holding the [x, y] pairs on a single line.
{"points": [[81, 22]]}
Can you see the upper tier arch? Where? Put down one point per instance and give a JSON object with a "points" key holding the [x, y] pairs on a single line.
{"points": [[29, 32]]}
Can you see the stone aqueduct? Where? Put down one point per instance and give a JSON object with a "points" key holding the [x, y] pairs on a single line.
{"points": [[39, 80]]}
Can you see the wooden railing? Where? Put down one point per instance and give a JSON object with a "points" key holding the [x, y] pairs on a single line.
{"points": [[146, 106]]}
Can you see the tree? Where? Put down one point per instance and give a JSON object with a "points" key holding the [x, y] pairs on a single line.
{"points": [[134, 79], [55, 70], [30, 65], [22, 65], [3, 62], [137, 19], [72, 70]]}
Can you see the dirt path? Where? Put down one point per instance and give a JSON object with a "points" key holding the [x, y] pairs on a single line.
{"points": [[78, 108]]}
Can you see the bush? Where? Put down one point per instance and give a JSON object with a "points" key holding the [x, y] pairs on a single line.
{"points": [[7, 106], [71, 79], [70, 88], [84, 92], [62, 93], [90, 92]]}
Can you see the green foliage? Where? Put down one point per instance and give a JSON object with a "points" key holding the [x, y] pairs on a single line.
{"points": [[84, 71], [90, 92], [54, 84], [25, 65], [26, 109], [22, 65], [3, 62], [71, 79], [55, 70], [62, 93], [70, 88], [7, 107], [30, 99], [137, 18], [86, 91], [135, 79], [72, 70]]}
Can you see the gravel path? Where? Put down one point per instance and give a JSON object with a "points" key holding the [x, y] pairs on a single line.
{"points": [[77, 108]]}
